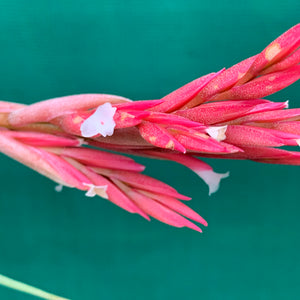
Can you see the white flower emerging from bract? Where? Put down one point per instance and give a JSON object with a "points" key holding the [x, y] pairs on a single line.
{"points": [[212, 179], [286, 104], [94, 190], [101, 121], [217, 132], [58, 188]]}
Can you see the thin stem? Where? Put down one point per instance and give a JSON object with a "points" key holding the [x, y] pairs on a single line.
{"points": [[25, 288]]}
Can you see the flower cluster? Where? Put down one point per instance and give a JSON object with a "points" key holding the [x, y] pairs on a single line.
{"points": [[219, 115]]}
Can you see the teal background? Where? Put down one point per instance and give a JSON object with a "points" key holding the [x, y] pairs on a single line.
{"points": [[90, 249]]}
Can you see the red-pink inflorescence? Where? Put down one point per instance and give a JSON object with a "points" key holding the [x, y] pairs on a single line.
{"points": [[219, 115]]}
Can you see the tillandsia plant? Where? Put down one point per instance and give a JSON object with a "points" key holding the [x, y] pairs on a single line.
{"points": [[219, 115]]}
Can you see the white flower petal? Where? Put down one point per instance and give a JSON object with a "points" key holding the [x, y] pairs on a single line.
{"points": [[212, 179], [101, 121], [217, 132], [94, 190], [286, 104], [81, 142], [58, 188]]}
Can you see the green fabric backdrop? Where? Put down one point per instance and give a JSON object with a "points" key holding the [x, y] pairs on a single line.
{"points": [[90, 249]]}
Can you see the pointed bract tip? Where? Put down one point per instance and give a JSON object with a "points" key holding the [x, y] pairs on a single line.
{"points": [[195, 227], [100, 122]]}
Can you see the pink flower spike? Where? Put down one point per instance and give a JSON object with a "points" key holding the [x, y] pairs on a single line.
{"points": [[100, 122], [58, 137]]}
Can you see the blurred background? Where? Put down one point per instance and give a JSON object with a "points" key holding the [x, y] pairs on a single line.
{"points": [[87, 248]]}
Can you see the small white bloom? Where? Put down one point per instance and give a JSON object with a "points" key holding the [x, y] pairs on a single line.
{"points": [[96, 190], [81, 142], [212, 179], [286, 104], [217, 132], [101, 121]]}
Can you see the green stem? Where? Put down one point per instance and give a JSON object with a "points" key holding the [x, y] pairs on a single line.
{"points": [[25, 288]]}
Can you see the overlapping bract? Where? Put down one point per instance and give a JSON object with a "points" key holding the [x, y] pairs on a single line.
{"points": [[219, 115]]}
